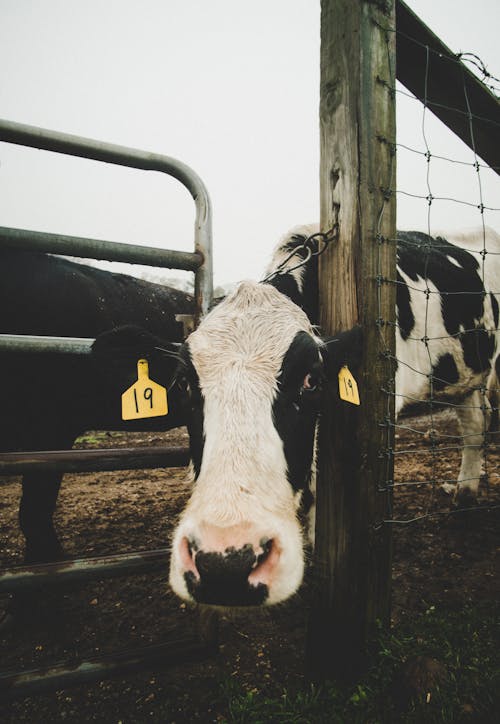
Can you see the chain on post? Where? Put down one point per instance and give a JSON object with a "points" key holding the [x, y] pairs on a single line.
{"points": [[312, 246]]}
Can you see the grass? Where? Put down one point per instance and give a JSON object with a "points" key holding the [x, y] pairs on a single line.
{"points": [[463, 645], [93, 437]]}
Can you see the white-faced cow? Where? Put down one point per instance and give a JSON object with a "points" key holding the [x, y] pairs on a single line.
{"points": [[251, 378], [47, 400]]}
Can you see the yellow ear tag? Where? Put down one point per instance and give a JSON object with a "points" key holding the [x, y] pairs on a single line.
{"points": [[348, 389], [144, 398]]}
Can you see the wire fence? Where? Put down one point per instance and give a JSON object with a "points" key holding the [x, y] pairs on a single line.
{"points": [[443, 418]]}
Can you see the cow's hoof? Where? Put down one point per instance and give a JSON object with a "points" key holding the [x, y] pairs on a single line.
{"points": [[35, 555], [447, 489], [465, 498]]}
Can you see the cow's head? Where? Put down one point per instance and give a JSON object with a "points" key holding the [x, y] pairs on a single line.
{"points": [[251, 377]]}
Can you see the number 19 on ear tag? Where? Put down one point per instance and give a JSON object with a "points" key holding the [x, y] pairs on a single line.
{"points": [[144, 398], [348, 389]]}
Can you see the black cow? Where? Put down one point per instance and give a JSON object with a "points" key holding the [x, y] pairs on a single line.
{"points": [[48, 400]]}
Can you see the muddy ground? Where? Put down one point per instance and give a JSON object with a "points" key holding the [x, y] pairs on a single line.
{"points": [[445, 560]]}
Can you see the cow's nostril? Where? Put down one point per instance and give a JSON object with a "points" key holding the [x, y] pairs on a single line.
{"points": [[266, 544], [187, 551], [266, 563], [192, 546]]}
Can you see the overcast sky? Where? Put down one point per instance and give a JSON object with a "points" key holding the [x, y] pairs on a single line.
{"points": [[230, 88]]}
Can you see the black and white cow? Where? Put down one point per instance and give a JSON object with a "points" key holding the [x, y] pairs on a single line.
{"points": [[251, 377], [48, 400]]}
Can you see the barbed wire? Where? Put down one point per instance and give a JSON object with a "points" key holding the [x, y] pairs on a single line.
{"points": [[464, 56], [477, 63]]}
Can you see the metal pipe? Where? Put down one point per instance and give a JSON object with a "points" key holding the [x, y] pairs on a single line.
{"points": [[35, 343], [99, 249], [19, 578], [79, 461], [183, 649], [48, 140]]}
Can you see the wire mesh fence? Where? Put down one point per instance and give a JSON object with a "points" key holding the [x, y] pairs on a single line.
{"points": [[447, 444]]}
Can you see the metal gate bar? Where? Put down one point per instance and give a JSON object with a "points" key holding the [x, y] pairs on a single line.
{"points": [[22, 578], [99, 249], [35, 343], [85, 461], [180, 650], [66, 143]]}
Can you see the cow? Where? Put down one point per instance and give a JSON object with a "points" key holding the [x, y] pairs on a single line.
{"points": [[48, 399], [251, 377]]}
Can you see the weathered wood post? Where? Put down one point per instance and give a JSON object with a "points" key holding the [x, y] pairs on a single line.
{"points": [[357, 122]]}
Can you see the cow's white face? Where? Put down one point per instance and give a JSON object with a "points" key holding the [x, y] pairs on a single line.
{"points": [[252, 373]]}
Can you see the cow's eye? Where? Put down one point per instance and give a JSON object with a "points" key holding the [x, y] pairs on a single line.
{"points": [[183, 384], [311, 382]]}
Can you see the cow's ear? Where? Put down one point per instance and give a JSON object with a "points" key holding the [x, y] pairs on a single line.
{"points": [[344, 348], [115, 355]]}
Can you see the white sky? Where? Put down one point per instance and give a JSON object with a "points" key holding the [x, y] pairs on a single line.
{"points": [[230, 88]]}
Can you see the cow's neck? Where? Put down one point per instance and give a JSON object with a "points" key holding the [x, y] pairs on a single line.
{"points": [[298, 283]]}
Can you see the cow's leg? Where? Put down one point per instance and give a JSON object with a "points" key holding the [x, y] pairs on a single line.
{"points": [[38, 502], [494, 396], [37, 506], [474, 420]]}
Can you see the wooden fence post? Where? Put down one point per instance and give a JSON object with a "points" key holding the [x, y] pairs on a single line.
{"points": [[357, 123]]}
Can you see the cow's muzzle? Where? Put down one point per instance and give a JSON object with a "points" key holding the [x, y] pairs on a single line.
{"points": [[229, 576]]}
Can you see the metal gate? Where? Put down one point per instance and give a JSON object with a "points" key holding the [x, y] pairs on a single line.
{"points": [[200, 262]]}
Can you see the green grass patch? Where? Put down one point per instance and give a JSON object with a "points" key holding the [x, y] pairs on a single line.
{"points": [[440, 667], [94, 437]]}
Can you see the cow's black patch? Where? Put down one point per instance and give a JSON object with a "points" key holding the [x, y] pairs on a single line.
{"points": [[223, 578], [494, 305], [445, 372], [456, 275], [286, 284], [494, 396], [406, 319], [307, 299], [193, 406], [344, 348], [295, 408]]}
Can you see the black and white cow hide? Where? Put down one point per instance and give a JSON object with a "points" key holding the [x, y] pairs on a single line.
{"points": [[250, 380], [252, 374]]}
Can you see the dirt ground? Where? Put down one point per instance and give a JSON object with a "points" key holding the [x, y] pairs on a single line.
{"points": [[447, 559]]}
